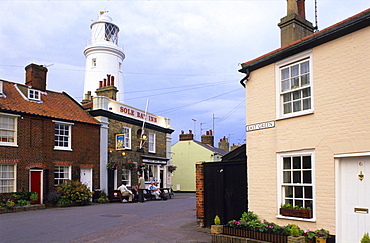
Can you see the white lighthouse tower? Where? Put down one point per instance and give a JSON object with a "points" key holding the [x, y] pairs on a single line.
{"points": [[104, 56]]}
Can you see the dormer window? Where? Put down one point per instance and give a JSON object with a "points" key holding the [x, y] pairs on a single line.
{"points": [[34, 94], [1, 87]]}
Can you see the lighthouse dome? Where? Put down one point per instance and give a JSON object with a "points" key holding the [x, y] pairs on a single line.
{"points": [[105, 18]]}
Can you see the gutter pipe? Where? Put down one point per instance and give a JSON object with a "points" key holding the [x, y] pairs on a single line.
{"points": [[247, 73]]}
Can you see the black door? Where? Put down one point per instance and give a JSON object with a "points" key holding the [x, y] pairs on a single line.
{"points": [[225, 191]]}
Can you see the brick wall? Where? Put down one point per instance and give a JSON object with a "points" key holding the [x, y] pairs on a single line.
{"points": [[199, 178], [36, 150]]}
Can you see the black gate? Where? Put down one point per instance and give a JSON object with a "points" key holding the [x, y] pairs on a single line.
{"points": [[225, 191]]}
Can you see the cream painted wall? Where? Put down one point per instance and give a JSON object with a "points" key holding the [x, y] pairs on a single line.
{"points": [[339, 125], [184, 155]]}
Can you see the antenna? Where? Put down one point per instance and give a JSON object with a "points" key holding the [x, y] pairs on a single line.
{"points": [[316, 25], [48, 65]]}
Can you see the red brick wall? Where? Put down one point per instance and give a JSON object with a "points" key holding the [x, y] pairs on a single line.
{"points": [[199, 188], [36, 150]]}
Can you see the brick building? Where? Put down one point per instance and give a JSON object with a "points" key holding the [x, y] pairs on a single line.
{"points": [[45, 137], [308, 139], [129, 136]]}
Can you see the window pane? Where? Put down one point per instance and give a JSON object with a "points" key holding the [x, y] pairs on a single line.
{"points": [[305, 79], [295, 82], [298, 192], [287, 108], [297, 177], [287, 163], [285, 85], [307, 104], [298, 203], [296, 95], [306, 162], [286, 175], [295, 70], [297, 162], [305, 68], [307, 177], [285, 73], [306, 93], [296, 106], [287, 97], [308, 203], [308, 192], [289, 201], [289, 191]]}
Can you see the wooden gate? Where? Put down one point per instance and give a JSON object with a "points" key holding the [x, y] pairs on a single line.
{"points": [[225, 191]]}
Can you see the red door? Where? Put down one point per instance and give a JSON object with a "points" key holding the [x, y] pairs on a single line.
{"points": [[36, 183]]}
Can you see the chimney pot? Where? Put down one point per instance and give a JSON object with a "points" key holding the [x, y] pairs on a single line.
{"points": [[100, 84], [105, 82]]}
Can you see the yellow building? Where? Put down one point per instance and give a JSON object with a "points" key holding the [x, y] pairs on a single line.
{"points": [[185, 153], [308, 133]]}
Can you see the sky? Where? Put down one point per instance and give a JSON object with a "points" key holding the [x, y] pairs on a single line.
{"points": [[182, 55]]}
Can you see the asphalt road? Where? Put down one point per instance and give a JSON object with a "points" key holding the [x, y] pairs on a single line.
{"points": [[173, 220]]}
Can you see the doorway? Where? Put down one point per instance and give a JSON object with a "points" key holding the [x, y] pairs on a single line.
{"points": [[353, 200], [36, 183], [86, 177]]}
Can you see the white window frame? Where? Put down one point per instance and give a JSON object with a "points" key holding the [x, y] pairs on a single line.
{"points": [[69, 136], [4, 186], [1, 87], [151, 143], [128, 180], [307, 55], [280, 184], [127, 132], [152, 173], [6, 130], [62, 179], [34, 94]]}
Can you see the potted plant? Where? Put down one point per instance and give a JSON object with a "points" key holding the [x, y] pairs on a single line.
{"points": [[296, 211], [172, 168], [365, 238], [143, 167], [321, 235], [296, 235], [217, 228], [34, 198], [310, 235], [112, 165]]}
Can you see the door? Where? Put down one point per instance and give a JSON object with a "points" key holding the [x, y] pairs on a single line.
{"points": [[36, 183], [354, 199], [86, 177]]}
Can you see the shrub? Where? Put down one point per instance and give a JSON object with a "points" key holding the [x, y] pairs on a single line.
{"points": [[217, 220], [74, 191], [53, 197], [365, 238], [294, 231]]}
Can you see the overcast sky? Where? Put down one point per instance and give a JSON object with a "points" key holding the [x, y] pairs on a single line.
{"points": [[183, 55]]}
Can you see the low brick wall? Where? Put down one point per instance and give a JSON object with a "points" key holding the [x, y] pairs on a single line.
{"points": [[21, 208], [220, 238]]}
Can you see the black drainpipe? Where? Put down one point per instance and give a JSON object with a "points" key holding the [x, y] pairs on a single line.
{"points": [[246, 71]]}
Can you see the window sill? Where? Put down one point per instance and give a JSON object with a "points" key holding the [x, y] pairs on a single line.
{"points": [[9, 145], [296, 218], [295, 115], [63, 149]]}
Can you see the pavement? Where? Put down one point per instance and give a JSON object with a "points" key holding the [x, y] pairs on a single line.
{"points": [[173, 220]]}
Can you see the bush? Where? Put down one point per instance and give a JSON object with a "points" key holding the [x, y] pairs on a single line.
{"points": [[74, 191], [365, 238], [53, 197]]}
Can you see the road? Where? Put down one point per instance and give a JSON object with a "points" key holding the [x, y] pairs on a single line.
{"points": [[173, 220]]}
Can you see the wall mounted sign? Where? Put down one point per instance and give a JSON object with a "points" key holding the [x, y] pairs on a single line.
{"points": [[259, 126], [120, 141]]}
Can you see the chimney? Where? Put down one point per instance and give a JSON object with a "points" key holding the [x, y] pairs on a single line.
{"points": [[208, 138], [224, 144], [107, 88], [36, 76], [294, 26], [186, 137]]}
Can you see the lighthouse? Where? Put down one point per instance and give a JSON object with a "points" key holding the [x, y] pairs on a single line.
{"points": [[104, 56]]}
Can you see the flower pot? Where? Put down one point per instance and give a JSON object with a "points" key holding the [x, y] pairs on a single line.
{"points": [[299, 213], [217, 229], [320, 240]]}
